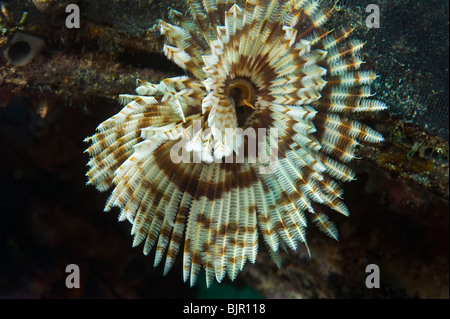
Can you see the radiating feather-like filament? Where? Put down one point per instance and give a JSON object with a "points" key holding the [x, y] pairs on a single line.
{"points": [[251, 64]]}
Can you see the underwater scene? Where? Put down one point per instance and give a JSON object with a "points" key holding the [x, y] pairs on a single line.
{"points": [[224, 149]]}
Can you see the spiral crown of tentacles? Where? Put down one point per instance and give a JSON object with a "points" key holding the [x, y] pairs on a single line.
{"points": [[251, 65]]}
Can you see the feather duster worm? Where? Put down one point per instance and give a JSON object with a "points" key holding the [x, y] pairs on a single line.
{"points": [[261, 65]]}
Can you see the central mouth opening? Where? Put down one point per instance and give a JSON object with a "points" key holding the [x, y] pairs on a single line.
{"points": [[242, 93]]}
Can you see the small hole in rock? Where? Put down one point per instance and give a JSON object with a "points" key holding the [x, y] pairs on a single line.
{"points": [[19, 50]]}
